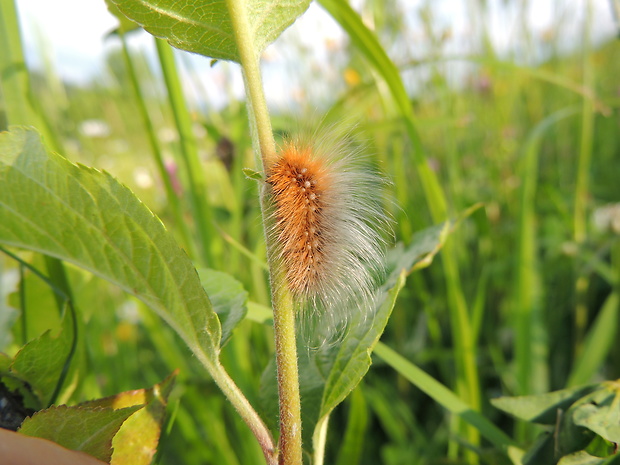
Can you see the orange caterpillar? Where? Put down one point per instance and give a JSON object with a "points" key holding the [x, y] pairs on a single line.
{"points": [[328, 223]]}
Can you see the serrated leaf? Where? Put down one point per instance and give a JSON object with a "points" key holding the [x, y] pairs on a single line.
{"points": [[86, 217], [206, 28], [322, 387], [83, 429], [542, 408], [228, 297], [353, 358]]}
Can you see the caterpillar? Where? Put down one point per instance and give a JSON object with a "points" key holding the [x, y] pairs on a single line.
{"points": [[328, 224]]}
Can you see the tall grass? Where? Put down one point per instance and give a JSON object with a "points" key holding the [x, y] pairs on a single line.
{"points": [[525, 299]]}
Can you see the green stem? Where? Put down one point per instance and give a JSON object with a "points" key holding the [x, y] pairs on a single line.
{"points": [[259, 114], [22, 303], [14, 79], [319, 438], [201, 209], [288, 377], [59, 284], [283, 311], [582, 186], [173, 199], [245, 410]]}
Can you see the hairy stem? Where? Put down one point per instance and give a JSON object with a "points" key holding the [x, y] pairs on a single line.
{"points": [[288, 376], [259, 115], [290, 452], [245, 410]]}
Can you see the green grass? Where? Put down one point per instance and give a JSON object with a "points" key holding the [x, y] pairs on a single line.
{"points": [[523, 300]]}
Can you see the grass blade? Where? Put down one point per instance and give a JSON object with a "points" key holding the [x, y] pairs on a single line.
{"points": [[597, 344], [443, 396]]}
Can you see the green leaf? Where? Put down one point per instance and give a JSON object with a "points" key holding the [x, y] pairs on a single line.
{"points": [[598, 342], [83, 429], [570, 435], [542, 452], [136, 441], [38, 310], [327, 375], [125, 25], [206, 28], [252, 174], [601, 447], [601, 414], [583, 458], [420, 252], [352, 446], [260, 313], [446, 398], [330, 373], [40, 362], [352, 360], [86, 217], [5, 363], [542, 408], [228, 297]]}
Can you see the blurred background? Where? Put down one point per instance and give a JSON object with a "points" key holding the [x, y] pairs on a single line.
{"points": [[516, 106]]}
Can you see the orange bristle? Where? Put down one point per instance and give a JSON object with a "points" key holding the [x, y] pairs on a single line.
{"points": [[327, 226], [299, 184]]}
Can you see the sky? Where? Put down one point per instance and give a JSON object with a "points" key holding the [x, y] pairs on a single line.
{"points": [[75, 47]]}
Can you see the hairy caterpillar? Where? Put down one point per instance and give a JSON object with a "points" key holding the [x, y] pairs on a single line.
{"points": [[328, 225]]}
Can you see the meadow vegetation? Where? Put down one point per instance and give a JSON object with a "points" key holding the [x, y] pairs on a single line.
{"points": [[522, 298]]}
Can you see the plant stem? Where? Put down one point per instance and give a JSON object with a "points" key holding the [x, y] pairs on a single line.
{"points": [[171, 195], [245, 410], [319, 438], [582, 186], [290, 452], [201, 210], [288, 376], [259, 115]]}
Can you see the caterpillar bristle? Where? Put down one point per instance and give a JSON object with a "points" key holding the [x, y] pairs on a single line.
{"points": [[328, 225]]}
